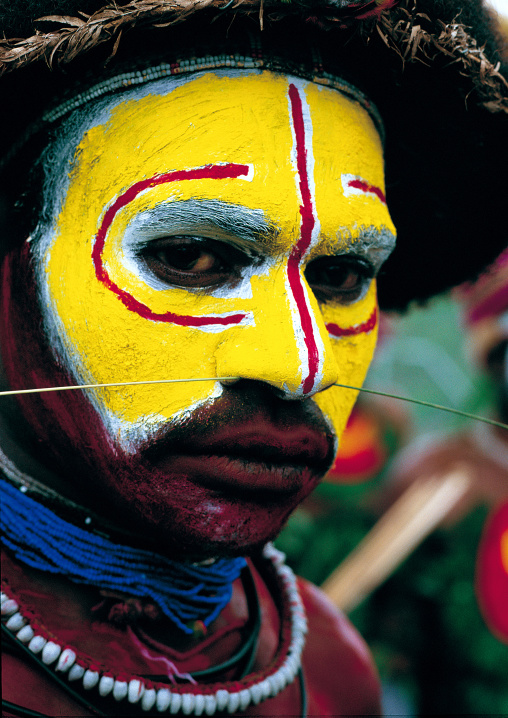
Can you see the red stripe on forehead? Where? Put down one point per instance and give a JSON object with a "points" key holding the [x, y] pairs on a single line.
{"points": [[227, 171], [303, 244], [364, 186]]}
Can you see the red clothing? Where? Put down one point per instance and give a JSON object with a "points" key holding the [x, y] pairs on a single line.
{"points": [[339, 675]]}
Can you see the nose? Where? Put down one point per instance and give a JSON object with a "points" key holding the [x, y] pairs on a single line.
{"points": [[288, 346]]}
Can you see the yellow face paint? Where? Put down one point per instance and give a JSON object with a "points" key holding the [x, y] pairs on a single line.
{"points": [[262, 180]]}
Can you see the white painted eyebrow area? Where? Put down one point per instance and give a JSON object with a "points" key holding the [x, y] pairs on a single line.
{"points": [[240, 226], [374, 243], [244, 226]]}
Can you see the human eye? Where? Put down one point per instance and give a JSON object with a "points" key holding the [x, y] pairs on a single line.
{"points": [[193, 262], [341, 280]]}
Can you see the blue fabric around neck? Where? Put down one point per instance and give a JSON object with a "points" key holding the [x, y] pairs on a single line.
{"points": [[184, 592]]}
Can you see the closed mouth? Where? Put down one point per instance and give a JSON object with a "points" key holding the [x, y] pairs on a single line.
{"points": [[250, 459]]}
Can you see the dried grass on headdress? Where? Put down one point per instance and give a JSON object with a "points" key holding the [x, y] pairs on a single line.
{"points": [[412, 35], [73, 36], [404, 32]]}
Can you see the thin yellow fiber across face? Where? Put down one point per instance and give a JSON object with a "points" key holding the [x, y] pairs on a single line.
{"points": [[211, 119]]}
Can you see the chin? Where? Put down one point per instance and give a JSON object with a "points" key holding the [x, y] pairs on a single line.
{"points": [[188, 521]]}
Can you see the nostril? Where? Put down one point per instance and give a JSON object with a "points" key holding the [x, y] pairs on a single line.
{"points": [[266, 388], [282, 393], [228, 380]]}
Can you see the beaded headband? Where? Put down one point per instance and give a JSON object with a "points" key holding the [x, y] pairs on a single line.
{"points": [[255, 61], [197, 64]]}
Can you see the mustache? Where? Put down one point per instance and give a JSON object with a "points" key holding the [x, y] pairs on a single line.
{"points": [[247, 413]]}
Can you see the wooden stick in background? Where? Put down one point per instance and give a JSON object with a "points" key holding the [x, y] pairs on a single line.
{"points": [[416, 513]]}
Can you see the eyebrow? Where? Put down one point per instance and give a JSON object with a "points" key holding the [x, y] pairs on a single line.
{"points": [[374, 243], [249, 226]]}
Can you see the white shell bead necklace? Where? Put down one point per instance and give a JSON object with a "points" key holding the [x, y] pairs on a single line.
{"points": [[230, 696]]}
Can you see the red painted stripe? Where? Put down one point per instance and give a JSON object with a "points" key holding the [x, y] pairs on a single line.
{"points": [[298, 251], [367, 326], [227, 171], [366, 187]]}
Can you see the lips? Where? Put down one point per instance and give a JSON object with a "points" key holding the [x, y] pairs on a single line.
{"points": [[285, 448], [251, 465]]}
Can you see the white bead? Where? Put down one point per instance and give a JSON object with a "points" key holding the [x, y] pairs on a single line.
{"points": [[149, 698], [274, 685], [285, 573], [120, 690], [293, 596], [222, 696], [210, 705], [288, 674], [188, 701], [66, 660], [76, 672], [90, 679], [297, 645], [136, 690], [282, 678], [106, 684], [37, 644], [15, 622], [300, 624], [290, 665], [256, 693], [50, 652], [234, 702], [244, 699], [265, 688], [26, 634], [176, 703], [199, 704], [163, 699], [9, 607], [3, 598]]}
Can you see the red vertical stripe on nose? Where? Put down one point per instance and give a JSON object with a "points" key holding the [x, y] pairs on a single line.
{"points": [[303, 244]]}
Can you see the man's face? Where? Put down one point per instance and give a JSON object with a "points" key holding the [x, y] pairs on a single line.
{"points": [[224, 226]]}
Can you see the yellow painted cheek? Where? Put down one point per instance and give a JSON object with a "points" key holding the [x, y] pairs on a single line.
{"points": [[113, 344], [171, 353], [352, 354]]}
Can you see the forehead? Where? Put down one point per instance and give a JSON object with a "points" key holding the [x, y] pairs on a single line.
{"points": [[226, 88], [219, 117]]}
